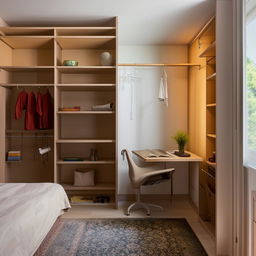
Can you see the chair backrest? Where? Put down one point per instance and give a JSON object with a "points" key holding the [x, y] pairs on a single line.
{"points": [[134, 170]]}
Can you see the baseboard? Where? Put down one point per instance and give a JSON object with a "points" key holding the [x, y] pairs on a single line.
{"points": [[131, 197]]}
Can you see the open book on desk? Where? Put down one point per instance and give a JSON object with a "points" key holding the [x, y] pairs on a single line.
{"points": [[152, 153]]}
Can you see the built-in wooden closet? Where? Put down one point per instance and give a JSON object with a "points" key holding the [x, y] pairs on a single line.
{"points": [[32, 60], [202, 117]]}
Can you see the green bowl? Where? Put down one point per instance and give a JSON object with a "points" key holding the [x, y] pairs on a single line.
{"points": [[70, 63]]}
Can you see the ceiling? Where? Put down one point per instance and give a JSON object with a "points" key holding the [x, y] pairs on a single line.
{"points": [[140, 21]]}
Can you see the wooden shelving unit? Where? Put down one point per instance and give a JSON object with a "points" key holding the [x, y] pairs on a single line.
{"points": [[207, 173], [33, 57]]}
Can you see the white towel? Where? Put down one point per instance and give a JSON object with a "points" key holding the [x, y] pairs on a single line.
{"points": [[163, 89]]}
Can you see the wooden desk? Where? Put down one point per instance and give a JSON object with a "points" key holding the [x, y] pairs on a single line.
{"points": [[142, 154], [194, 159]]}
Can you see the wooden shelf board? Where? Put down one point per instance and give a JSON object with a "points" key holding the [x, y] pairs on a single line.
{"points": [[27, 85], [85, 112], [84, 31], [86, 162], [210, 51], [86, 42], [95, 204], [98, 187], [211, 77], [211, 163], [29, 131], [8, 162], [159, 64], [211, 135], [26, 68], [86, 87], [27, 31], [28, 42], [211, 105], [85, 69], [85, 141]]}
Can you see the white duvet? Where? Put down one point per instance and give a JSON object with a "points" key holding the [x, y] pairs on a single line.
{"points": [[27, 213]]}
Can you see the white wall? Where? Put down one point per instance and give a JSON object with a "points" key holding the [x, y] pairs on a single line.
{"points": [[151, 124]]}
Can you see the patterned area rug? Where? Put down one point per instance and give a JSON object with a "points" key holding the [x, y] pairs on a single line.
{"points": [[121, 237]]}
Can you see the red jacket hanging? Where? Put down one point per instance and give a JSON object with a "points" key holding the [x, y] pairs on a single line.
{"points": [[30, 119], [45, 110], [21, 104]]}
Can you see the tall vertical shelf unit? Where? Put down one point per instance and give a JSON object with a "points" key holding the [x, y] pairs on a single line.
{"points": [[32, 58], [207, 173]]}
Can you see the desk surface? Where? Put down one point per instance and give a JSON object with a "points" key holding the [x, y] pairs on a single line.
{"points": [[143, 155]]}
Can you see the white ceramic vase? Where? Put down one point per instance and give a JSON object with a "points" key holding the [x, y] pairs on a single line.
{"points": [[106, 59]]}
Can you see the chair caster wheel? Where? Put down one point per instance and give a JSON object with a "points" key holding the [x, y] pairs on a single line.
{"points": [[148, 214], [127, 214]]}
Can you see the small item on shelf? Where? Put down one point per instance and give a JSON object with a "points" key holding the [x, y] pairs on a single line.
{"points": [[45, 150], [73, 159], [93, 154], [14, 156], [75, 108], [81, 199], [105, 107], [106, 59], [212, 159], [101, 199], [71, 63], [84, 177]]}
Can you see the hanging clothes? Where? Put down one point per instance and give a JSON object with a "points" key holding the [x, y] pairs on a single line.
{"points": [[21, 104], [30, 118], [163, 89], [44, 110]]}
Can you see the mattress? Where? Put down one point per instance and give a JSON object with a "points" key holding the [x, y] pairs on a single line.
{"points": [[27, 213]]}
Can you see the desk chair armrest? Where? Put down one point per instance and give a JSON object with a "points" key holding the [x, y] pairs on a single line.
{"points": [[147, 175]]}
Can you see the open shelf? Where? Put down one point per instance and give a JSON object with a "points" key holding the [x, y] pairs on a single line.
{"points": [[85, 31], [27, 31], [86, 87], [98, 187], [28, 42], [85, 112], [87, 162], [85, 141], [84, 69], [209, 51], [86, 42]]}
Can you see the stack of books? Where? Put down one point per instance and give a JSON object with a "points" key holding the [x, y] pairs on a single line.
{"points": [[76, 108], [13, 156]]}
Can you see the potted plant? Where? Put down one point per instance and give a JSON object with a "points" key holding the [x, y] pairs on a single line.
{"points": [[182, 139]]}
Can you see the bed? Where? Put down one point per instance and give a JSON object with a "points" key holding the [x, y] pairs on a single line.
{"points": [[27, 213]]}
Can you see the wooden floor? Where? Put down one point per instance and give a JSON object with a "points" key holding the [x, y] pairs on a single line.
{"points": [[178, 207]]}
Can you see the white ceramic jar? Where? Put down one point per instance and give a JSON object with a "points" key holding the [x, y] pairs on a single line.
{"points": [[106, 59]]}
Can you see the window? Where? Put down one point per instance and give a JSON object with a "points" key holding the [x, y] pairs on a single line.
{"points": [[250, 90]]}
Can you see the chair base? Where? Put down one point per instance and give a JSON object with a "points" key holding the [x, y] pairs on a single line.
{"points": [[141, 205]]}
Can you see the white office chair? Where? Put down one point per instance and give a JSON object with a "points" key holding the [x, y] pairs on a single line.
{"points": [[141, 176]]}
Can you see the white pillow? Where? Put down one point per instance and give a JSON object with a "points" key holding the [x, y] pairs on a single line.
{"points": [[84, 178]]}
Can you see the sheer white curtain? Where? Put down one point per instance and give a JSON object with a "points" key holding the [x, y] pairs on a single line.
{"points": [[250, 86]]}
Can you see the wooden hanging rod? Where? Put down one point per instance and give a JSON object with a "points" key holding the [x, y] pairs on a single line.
{"points": [[159, 65]]}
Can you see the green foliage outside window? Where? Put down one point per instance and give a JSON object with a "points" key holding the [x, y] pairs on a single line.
{"points": [[251, 102]]}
